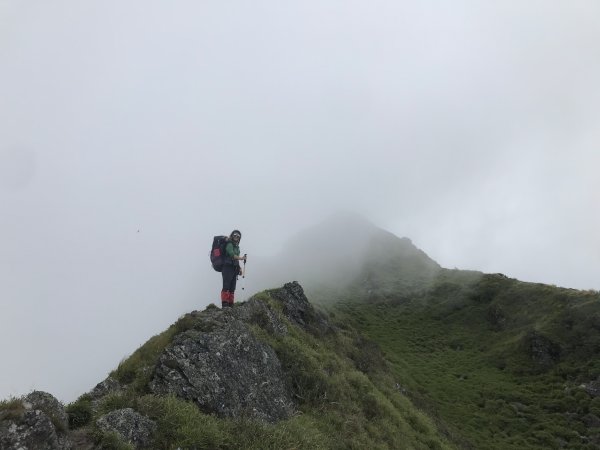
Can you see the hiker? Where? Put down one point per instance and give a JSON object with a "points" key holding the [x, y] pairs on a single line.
{"points": [[231, 267]]}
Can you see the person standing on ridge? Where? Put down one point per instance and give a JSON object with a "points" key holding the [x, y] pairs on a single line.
{"points": [[231, 268]]}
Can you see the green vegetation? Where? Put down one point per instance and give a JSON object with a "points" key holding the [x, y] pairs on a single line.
{"points": [[453, 359], [346, 407], [79, 412], [11, 409], [498, 361], [111, 441], [346, 397], [14, 409], [137, 369]]}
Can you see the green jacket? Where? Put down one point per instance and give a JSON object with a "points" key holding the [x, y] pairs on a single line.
{"points": [[232, 250]]}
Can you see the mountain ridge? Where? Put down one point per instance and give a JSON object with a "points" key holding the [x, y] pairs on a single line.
{"points": [[392, 351], [272, 372]]}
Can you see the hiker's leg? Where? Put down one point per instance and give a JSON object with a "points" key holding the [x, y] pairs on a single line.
{"points": [[228, 274], [232, 287], [224, 296]]}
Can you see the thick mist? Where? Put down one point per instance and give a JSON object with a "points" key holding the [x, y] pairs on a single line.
{"points": [[133, 132]]}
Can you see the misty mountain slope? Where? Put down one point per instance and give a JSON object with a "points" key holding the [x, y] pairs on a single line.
{"points": [[341, 250], [272, 372], [504, 363]]}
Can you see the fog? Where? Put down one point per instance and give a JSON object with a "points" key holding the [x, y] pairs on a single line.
{"points": [[132, 132]]}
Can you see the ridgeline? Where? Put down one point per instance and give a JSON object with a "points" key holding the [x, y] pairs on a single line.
{"points": [[395, 352]]}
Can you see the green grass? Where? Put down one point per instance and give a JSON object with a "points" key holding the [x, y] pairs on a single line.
{"points": [[458, 349], [445, 362], [14, 409], [347, 398], [11, 409]]}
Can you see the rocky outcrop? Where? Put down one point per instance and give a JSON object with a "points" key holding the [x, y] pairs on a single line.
{"points": [[227, 372], [214, 360], [33, 430], [130, 425], [592, 388], [542, 351], [108, 386], [38, 421], [222, 367], [42, 401], [496, 317], [256, 312], [299, 311]]}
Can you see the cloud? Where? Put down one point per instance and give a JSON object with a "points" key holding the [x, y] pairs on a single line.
{"points": [[470, 128]]}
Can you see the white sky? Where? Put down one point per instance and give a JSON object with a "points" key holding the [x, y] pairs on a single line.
{"points": [[472, 128]]}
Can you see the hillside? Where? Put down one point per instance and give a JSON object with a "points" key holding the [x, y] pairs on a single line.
{"points": [[500, 362], [392, 351], [272, 372], [339, 251]]}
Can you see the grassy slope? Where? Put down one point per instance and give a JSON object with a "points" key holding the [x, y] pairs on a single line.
{"points": [[459, 347], [346, 396]]}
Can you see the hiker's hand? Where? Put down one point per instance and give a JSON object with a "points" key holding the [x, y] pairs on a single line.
{"points": [[240, 269]]}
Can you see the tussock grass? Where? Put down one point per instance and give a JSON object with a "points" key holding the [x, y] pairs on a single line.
{"points": [[348, 393], [80, 412], [347, 398], [111, 441], [12, 409], [473, 376]]}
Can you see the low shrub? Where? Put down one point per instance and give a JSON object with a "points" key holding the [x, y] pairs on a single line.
{"points": [[11, 409], [79, 412]]}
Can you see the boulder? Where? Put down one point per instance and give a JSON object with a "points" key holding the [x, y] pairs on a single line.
{"points": [[130, 425], [299, 311], [108, 386], [33, 430], [225, 371], [542, 351], [496, 317], [591, 421], [37, 421], [38, 400], [258, 313], [593, 388]]}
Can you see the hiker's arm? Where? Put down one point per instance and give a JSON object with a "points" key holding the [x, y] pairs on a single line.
{"points": [[229, 252]]}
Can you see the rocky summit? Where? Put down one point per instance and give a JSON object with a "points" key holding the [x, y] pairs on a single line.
{"points": [[226, 371], [212, 359], [36, 421]]}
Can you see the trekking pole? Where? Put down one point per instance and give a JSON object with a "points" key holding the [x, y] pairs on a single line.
{"points": [[244, 273]]}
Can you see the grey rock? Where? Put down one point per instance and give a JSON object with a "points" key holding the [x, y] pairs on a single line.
{"points": [[543, 351], [591, 421], [299, 311], [108, 386], [496, 317], [593, 388], [32, 431], [225, 371], [130, 425], [39, 423], [256, 312], [47, 403]]}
